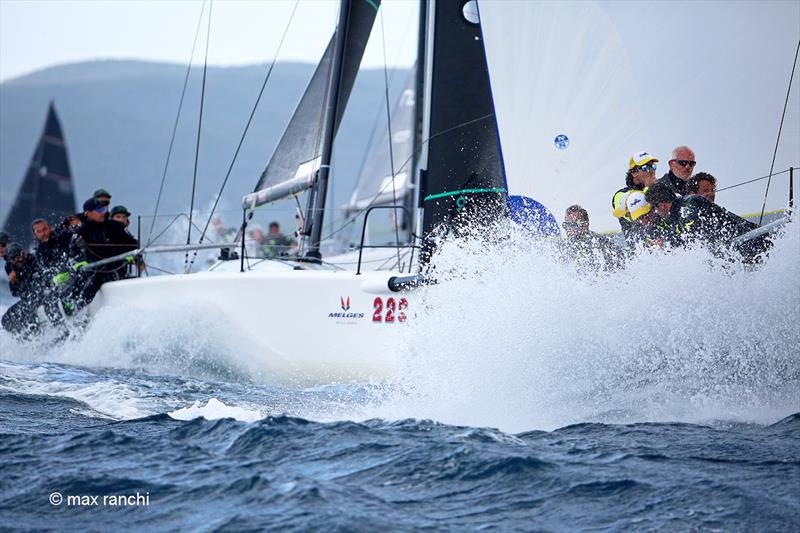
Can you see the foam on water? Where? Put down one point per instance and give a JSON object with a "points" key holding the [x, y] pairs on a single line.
{"points": [[214, 410], [511, 339], [173, 340], [104, 396], [515, 340]]}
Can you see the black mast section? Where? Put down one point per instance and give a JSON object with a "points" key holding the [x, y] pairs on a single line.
{"points": [[355, 23]]}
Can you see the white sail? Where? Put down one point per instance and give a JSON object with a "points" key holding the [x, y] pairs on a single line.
{"points": [[616, 78]]}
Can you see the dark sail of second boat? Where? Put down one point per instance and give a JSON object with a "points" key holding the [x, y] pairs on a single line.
{"points": [[46, 191]]}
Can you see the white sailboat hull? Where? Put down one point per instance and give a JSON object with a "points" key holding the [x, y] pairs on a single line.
{"points": [[305, 326]]}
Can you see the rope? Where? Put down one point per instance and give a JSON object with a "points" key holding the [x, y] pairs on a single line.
{"points": [[752, 180], [777, 142], [246, 128], [175, 126], [199, 130], [403, 166], [391, 148]]}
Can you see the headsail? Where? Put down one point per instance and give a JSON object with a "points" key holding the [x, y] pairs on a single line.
{"points": [[374, 185], [465, 176], [46, 192], [297, 156]]}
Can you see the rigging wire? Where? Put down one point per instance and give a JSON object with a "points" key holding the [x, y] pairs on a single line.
{"points": [[777, 142], [175, 126], [404, 165], [752, 180], [199, 130], [391, 140], [246, 129]]}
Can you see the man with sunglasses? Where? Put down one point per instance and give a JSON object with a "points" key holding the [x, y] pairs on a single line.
{"points": [[641, 174], [681, 166], [102, 238], [585, 248]]}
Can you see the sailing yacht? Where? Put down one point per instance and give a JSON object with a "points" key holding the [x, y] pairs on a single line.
{"points": [[321, 318], [356, 316]]}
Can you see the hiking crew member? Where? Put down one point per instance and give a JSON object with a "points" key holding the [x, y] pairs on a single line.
{"points": [[681, 166], [648, 229], [693, 218], [53, 247], [121, 214], [641, 174], [25, 282], [585, 248], [703, 184], [104, 196], [103, 238]]}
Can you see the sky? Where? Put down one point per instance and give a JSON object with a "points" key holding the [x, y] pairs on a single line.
{"points": [[36, 34]]}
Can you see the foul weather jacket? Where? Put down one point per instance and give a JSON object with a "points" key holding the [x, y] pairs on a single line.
{"points": [[693, 218], [675, 183], [54, 254]]}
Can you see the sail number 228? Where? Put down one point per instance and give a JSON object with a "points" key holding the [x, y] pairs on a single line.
{"points": [[394, 310]]}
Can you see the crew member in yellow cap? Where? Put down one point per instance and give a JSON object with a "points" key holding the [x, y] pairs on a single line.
{"points": [[646, 227], [641, 174]]}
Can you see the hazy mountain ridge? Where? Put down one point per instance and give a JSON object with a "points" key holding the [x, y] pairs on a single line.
{"points": [[118, 117]]}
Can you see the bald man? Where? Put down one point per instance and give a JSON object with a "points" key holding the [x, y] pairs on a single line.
{"points": [[681, 166]]}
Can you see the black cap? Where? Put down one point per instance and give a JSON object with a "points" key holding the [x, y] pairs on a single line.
{"points": [[91, 204], [102, 192], [120, 209], [13, 251], [4, 238]]}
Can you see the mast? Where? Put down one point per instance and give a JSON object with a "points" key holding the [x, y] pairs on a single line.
{"points": [[321, 185], [420, 97]]}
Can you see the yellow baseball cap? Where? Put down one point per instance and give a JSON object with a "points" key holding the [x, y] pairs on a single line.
{"points": [[637, 205], [640, 158]]}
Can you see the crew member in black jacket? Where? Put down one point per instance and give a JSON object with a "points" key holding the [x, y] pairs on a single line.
{"points": [[681, 166], [25, 282], [102, 238], [693, 218]]}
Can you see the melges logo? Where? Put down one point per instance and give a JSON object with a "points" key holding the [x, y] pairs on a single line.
{"points": [[345, 315]]}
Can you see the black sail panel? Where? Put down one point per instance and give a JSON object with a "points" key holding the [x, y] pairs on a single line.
{"points": [[465, 183], [47, 191], [297, 155]]}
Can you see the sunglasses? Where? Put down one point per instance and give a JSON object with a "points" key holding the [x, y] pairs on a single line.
{"points": [[101, 210], [685, 163], [575, 223], [645, 168]]}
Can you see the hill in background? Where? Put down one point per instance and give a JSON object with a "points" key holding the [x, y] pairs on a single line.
{"points": [[118, 118]]}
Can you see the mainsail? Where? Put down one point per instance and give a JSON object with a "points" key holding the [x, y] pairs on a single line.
{"points": [[46, 192], [297, 156], [465, 178]]}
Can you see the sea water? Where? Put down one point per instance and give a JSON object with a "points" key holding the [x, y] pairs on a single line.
{"points": [[533, 397]]}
